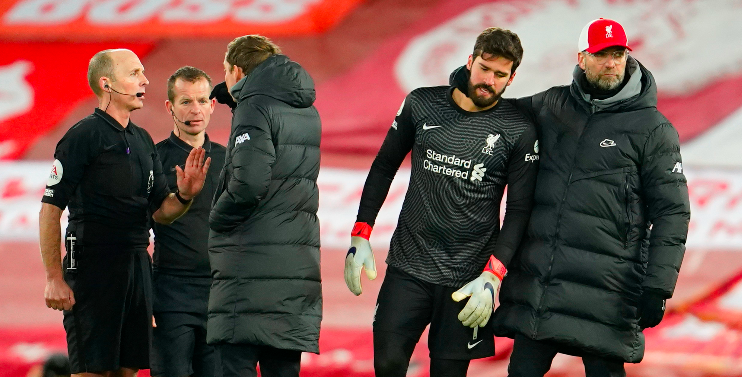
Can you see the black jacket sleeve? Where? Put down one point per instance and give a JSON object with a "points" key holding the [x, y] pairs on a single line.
{"points": [[522, 172], [251, 158], [665, 192], [397, 144]]}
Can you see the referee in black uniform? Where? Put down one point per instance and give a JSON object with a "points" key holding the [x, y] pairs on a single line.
{"points": [[182, 274], [107, 173], [466, 147]]}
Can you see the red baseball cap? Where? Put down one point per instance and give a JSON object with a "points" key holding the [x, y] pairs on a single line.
{"points": [[602, 33]]}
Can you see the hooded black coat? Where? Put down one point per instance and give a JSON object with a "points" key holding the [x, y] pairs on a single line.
{"points": [[610, 170], [264, 240]]}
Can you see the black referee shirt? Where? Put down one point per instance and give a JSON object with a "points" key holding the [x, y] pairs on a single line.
{"points": [[110, 178], [461, 163], [181, 248]]}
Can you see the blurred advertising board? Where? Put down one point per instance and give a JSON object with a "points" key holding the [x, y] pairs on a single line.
{"points": [[155, 19]]}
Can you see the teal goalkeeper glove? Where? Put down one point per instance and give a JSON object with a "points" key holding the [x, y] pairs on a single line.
{"points": [[478, 309], [360, 256]]}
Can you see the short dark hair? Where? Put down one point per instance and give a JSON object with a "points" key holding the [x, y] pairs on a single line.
{"points": [[499, 42], [101, 65], [187, 73], [248, 51]]}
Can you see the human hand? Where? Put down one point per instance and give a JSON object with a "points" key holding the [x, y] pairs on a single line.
{"points": [[221, 93], [191, 180], [481, 291], [58, 294], [359, 257]]}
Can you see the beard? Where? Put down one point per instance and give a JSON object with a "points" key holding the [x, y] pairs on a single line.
{"points": [[481, 101], [604, 82]]}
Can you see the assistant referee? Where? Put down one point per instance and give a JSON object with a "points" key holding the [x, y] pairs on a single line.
{"points": [[107, 172]]}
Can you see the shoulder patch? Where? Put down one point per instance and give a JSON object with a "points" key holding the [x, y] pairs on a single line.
{"points": [[241, 138], [55, 176]]}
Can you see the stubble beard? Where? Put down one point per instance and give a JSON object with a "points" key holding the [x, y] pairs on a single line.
{"points": [[602, 82], [480, 101]]}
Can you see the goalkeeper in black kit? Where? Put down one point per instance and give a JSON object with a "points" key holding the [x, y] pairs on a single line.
{"points": [[448, 245]]}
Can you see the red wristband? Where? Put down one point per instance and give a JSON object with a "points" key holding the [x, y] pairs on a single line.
{"points": [[362, 230], [496, 267]]}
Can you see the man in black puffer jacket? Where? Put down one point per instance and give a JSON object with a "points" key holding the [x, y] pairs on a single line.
{"points": [[590, 276], [265, 304]]}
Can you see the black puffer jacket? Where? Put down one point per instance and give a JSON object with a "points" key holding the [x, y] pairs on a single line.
{"points": [[264, 241], [610, 170]]}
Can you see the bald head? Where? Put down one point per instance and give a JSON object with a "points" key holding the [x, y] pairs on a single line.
{"points": [[102, 65]]}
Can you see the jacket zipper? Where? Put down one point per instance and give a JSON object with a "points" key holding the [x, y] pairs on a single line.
{"points": [[628, 212], [558, 225]]}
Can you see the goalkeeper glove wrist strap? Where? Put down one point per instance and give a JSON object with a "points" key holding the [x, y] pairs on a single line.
{"points": [[362, 230], [495, 267]]}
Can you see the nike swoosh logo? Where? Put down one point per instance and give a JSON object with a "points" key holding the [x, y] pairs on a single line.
{"points": [[426, 127], [473, 345]]}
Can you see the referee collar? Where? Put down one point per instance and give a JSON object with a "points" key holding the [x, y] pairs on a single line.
{"points": [[187, 147], [113, 122]]}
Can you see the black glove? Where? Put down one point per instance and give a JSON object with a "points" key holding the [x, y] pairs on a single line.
{"points": [[651, 308], [459, 78], [56, 365], [221, 93]]}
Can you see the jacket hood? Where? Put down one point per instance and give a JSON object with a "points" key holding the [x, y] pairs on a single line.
{"points": [[639, 92], [280, 78]]}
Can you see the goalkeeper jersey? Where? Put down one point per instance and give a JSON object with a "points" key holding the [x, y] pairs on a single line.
{"points": [[461, 162]]}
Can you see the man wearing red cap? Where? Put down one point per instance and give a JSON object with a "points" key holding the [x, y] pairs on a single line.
{"points": [[589, 275]]}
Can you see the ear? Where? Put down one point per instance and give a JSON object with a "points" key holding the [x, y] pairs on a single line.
{"points": [[511, 79], [239, 73], [169, 106], [213, 103], [581, 60], [469, 62], [103, 84]]}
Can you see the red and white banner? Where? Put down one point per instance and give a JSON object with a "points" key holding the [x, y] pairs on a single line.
{"points": [[154, 19], [41, 84], [665, 35]]}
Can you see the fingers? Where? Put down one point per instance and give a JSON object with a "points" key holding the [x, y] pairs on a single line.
{"points": [[476, 315], [466, 313], [69, 302], [370, 266], [462, 293], [178, 173], [59, 296], [191, 157], [352, 275], [485, 318], [195, 158], [205, 169]]}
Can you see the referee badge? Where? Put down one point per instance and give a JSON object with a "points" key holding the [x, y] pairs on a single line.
{"points": [[55, 176]]}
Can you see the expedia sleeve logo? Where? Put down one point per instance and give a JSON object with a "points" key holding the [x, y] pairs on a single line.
{"points": [[533, 157], [241, 139], [55, 176]]}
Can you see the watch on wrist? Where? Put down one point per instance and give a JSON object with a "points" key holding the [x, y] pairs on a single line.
{"points": [[180, 198]]}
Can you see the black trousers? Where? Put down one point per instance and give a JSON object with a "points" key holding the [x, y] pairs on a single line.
{"points": [[531, 358], [240, 360]]}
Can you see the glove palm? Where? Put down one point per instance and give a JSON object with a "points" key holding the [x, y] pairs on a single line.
{"points": [[359, 257], [479, 308]]}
